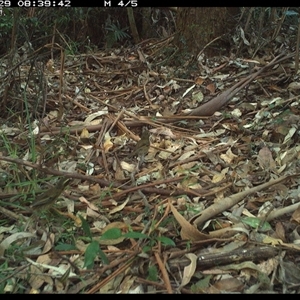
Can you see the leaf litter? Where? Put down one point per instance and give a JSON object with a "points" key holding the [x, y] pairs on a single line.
{"points": [[222, 190]]}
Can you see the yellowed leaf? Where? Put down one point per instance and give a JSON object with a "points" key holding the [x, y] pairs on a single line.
{"points": [[119, 207], [107, 143], [84, 135], [272, 241], [229, 156], [50, 65], [218, 177]]}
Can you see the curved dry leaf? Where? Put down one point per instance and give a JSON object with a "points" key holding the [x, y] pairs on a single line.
{"points": [[49, 243], [188, 231], [95, 115], [189, 270], [88, 203], [13, 238], [289, 135], [92, 214], [230, 231], [119, 207]]}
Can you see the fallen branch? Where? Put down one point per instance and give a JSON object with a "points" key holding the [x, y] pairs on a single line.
{"points": [[228, 202], [210, 107]]}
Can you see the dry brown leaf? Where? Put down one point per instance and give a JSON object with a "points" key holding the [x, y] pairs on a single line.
{"points": [[44, 259], [107, 143], [84, 135], [49, 243], [280, 231], [211, 87], [189, 270], [94, 189], [296, 215], [229, 156], [188, 231], [294, 86], [88, 203], [126, 284], [229, 285], [218, 177], [290, 134], [265, 159], [37, 278], [50, 65], [92, 214], [119, 207], [199, 80]]}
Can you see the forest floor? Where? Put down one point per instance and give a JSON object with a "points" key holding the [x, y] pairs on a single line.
{"points": [[211, 206]]}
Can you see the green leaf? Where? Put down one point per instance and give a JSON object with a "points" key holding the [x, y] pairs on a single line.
{"points": [[103, 257], [135, 235], [166, 241], [65, 247], [201, 284], [146, 249], [90, 254], [152, 273], [111, 234], [257, 223], [86, 227]]}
